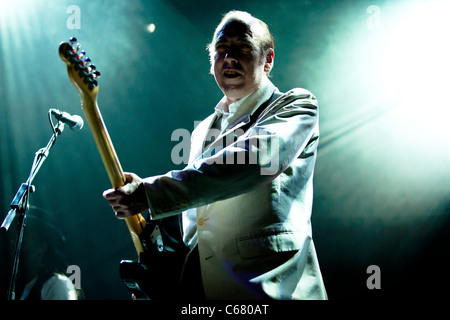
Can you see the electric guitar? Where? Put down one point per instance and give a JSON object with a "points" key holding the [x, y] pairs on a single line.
{"points": [[137, 276]]}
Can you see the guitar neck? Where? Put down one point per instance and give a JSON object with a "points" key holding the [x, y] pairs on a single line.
{"points": [[112, 165], [83, 76]]}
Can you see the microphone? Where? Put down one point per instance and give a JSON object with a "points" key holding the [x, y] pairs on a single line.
{"points": [[73, 121]]}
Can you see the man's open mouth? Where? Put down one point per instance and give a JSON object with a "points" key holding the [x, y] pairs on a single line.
{"points": [[231, 74]]}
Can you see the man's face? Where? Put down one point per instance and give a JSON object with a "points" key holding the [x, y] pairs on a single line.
{"points": [[238, 63]]}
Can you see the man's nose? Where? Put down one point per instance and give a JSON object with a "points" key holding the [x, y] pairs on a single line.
{"points": [[230, 57]]}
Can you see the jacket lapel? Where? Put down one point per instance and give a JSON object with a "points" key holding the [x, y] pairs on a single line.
{"points": [[199, 137], [202, 140]]}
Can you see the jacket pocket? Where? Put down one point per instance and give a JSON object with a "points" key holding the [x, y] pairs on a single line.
{"points": [[266, 243]]}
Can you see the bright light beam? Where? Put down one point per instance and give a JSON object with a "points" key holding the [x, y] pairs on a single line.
{"points": [[415, 69], [417, 53]]}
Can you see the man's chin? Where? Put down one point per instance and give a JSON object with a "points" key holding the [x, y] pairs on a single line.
{"points": [[233, 87], [235, 92], [236, 82]]}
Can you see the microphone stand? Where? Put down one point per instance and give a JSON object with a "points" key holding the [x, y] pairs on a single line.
{"points": [[20, 203]]}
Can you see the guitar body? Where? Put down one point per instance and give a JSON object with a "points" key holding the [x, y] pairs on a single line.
{"points": [[161, 257], [156, 275]]}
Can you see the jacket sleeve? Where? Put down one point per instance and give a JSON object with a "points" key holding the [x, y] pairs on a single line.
{"points": [[240, 160]]}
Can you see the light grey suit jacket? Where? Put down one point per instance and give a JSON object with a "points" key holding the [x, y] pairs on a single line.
{"points": [[247, 201]]}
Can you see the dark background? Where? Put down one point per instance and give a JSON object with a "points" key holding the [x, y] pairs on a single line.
{"points": [[380, 75]]}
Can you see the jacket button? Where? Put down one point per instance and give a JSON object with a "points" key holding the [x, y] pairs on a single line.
{"points": [[200, 221]]}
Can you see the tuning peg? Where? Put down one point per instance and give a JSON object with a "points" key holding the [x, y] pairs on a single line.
{"points": [[86, 62], [93, 84], [81, 55], [96, 74], [76, 47], [72, 40]]}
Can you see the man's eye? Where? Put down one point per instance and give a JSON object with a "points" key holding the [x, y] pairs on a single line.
{"points": [[220, 47], [245, 48]]}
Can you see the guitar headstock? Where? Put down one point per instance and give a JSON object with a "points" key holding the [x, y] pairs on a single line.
{"points": [[82, 73]]}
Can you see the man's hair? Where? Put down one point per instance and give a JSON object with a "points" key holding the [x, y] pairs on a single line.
{"points": [[265, 40]]}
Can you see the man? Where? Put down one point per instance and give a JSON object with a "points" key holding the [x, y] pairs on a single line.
{"points": [[246, 194]]}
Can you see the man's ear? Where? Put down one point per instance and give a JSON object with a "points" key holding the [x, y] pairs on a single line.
{"points": [[268, 63]]}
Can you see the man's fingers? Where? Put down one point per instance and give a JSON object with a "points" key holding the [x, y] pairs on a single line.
{"points": [[120, 214], [129, 176], [111, 194], [107, 193], [126, 201], [123, 212]]}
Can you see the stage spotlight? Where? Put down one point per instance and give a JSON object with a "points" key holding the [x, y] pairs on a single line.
{"points": [[151, 28], [416, 56]]}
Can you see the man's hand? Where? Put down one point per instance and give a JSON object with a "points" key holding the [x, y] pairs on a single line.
{"points": [[129, 199]]}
